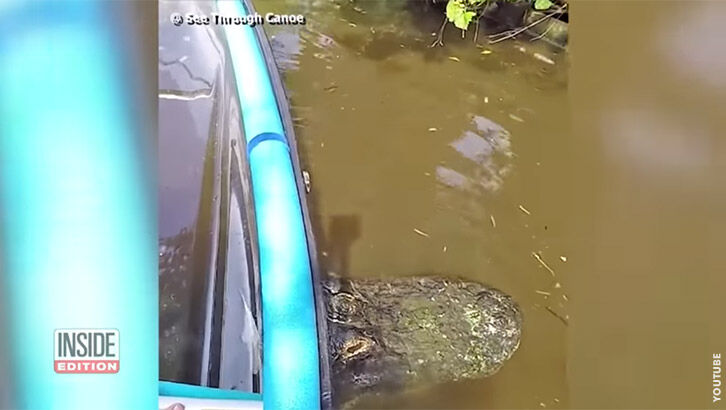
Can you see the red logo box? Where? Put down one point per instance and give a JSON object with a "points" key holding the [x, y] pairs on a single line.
{"points": [[86, 351]]}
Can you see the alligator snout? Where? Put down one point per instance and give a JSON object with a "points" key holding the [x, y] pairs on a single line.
{"points": [[410, 332]]}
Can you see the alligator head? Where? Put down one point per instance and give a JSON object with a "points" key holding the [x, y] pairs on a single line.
{"points": [[387, 335]]}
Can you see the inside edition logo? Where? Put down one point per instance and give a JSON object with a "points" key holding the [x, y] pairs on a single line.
{"points": [[86, 351]]}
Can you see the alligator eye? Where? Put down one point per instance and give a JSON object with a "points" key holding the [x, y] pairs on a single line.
{"points": [[357, 346]]}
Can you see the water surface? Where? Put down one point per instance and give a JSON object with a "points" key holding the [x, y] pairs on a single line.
{"points": [[442, 160]]}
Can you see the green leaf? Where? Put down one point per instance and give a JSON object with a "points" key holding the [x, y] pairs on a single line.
{"points": [[454, 9], [457, 13], [542, 4], [464, 19]]}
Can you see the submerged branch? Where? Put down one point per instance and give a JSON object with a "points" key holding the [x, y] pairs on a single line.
{"points": [[440, 38], [512, 33]]}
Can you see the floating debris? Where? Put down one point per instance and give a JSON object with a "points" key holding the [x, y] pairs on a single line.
{"points": [[433, 129], [542, 58], [330, 88], [359, 10], [306, 180], [516, 118], [542, 262], [486, 100], [352, 25], [444, 248], [494, 223], [563, 258], [454, 58], [522, 49], [556, 400], [557, 285], [523, 209], [542, 404], [557, 315], [484, 52], [565, 298], [542, 292], [422, 233]]}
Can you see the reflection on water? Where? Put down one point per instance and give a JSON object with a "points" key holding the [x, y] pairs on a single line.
{"points": [[693, 44], [653, 144], [438, 160], [485, 148]]}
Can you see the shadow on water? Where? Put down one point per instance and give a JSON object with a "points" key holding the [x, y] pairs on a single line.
{"points": [[337, 240], [343, 230]]}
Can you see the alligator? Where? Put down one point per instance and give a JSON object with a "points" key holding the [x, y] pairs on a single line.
{"points": [[388, 335]]}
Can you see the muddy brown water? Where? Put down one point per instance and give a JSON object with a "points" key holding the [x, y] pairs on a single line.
{"points": [[438, 160]]}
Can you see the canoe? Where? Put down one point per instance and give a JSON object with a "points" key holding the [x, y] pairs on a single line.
{"points": [[295, 369]]}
